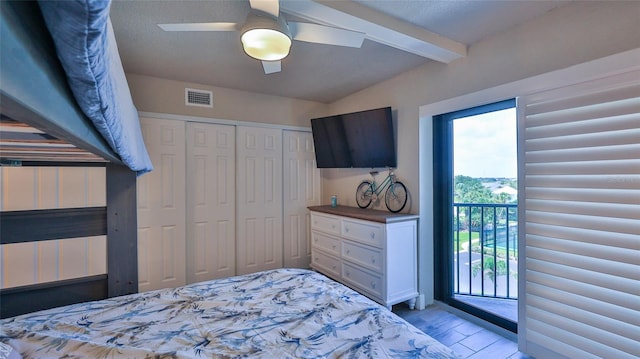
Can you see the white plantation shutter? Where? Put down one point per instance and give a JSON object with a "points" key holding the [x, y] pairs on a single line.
{"points": [[582, 219]]}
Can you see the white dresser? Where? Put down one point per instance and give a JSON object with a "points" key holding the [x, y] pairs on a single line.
{"points": [[373, 252]]}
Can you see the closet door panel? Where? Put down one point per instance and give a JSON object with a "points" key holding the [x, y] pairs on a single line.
{"points": [[161, 207], [211, 249], [301, 188], [259, 199]]}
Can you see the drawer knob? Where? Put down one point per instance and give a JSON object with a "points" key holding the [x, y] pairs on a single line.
{"points": [[373, 260], [333, 226], [348, 251], [333, 267], [348, 274], [373, 235], [334, 246], [346, 229], [373, 285]]}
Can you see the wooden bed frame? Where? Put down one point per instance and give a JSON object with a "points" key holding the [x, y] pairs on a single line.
{"points": [[43, 100], [118, 221]]}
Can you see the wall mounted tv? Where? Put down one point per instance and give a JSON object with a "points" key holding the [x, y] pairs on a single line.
{"points": [[360, 139]]}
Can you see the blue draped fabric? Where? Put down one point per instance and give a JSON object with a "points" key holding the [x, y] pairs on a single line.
{"points": [[86, 46]]}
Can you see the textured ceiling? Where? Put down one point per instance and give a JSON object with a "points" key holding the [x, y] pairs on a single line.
{"points": [[314, 72]]}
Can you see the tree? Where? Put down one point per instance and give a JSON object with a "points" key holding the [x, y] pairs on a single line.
{"points": [[470, 190], [504, 198], [492, 271]]}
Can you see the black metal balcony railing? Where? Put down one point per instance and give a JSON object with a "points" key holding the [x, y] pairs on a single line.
{"points": [[485, 250]]}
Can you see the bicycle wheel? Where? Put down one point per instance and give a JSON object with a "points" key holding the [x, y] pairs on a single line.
{"points": [[363, 194], [395, 197]]}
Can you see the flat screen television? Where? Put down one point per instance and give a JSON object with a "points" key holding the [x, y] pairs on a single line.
{"points": [[362, 139]]}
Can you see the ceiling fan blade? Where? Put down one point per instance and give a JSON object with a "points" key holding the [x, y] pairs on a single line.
{"points": [[200, 26], [269, 6], [271, 67], [322, 34]]}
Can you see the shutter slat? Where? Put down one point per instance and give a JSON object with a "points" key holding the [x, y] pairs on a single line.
{"points": [[603, 85], [618, 87], [604, 295], [620, 152], [594, 264], [614, 210], [621, 240], [607, 195], [599, 251], [592, 326], [556, 339], [615, 181], [608, 167], [622, 101], [608, 282], [598, 139], [610, 224], [598, 125], [592, 339]]}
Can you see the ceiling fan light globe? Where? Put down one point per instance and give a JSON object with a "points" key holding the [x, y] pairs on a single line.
{"points": [[266, 44]]}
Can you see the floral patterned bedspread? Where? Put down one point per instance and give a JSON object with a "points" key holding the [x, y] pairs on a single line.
{"points": [[284, 313]]}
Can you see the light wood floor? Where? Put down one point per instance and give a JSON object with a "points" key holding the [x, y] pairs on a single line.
{"points": [[466, 338]]}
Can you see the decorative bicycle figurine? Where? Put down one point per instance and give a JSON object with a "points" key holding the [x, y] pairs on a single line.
{"points": [[395, 198]]}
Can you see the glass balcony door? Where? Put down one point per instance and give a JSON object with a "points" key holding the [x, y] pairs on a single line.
{"points": [[475, 195]]}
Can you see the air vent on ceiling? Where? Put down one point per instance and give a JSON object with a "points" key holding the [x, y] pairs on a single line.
{"points": [[201, 98]]}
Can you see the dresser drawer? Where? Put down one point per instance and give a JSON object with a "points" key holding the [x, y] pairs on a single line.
{"points": [[366, 256], [325, 242], [362, 279], [325, 223], [325, 263], [366, 232]]}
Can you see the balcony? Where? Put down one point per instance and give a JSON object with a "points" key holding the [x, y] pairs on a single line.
{"points": [[485, 250]]}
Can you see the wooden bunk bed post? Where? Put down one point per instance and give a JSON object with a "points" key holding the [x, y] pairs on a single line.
{"points": [[122, 244]]}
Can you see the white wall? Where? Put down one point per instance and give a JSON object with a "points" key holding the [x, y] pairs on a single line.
{"points": [[157, 95], [569, 35]]}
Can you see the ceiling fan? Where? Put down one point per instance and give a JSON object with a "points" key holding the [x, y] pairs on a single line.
{"points": [[266, 36]]}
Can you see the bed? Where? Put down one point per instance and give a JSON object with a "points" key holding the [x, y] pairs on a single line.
{"points": [[273, 314], [283, 313]]}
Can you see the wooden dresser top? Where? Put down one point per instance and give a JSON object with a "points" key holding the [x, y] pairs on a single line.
{"points": [[372, 215]]}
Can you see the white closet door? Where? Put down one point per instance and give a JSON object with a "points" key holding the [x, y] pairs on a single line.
{"points": [[259, 199], [161, 207], [211, 243], [301, 188]]}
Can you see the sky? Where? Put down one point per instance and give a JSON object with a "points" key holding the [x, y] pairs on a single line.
{"points": [[486, 145]]}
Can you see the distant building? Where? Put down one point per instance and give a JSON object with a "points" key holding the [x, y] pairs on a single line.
{"points": [[498, 187], [508, 190]]}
